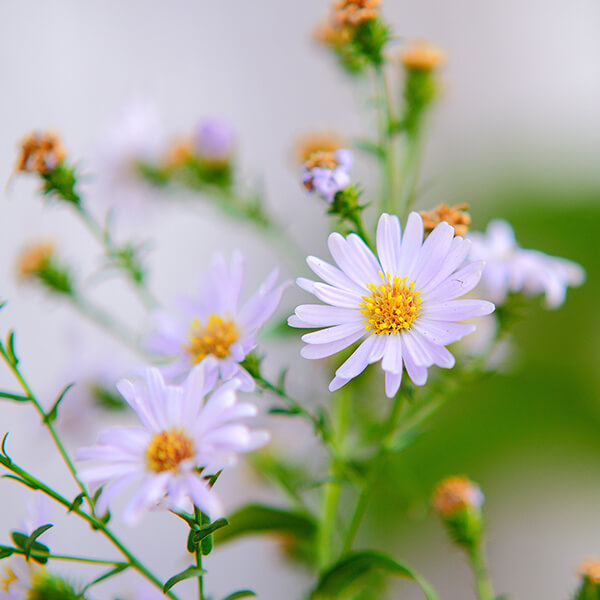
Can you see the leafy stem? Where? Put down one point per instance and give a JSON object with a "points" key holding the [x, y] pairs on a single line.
{"points": [[478, 562]]}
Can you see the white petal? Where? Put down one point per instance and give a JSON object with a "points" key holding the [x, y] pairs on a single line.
{"points": [[417, 373], [332, 275], [357, 361], [442, 332], [411, 243], [392, 383], [389, 238], [332, 334], [322, 316], [392, 356], [457, 310], [432, 255], [336, 296], [313, 351], [458, 284]]}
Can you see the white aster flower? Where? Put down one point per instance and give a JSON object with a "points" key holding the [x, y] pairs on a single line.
{"points": [[403, 302], [182, 433], [216, 324], [135, 137], [17, 578], [510, 268]]}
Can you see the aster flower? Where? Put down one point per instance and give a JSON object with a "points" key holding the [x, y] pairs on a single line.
{"points": [[216, 324], [40, 152], [214, 141], [327, 173], [24, 580], [183, 432], [403, 304], [510, 268], [133, 139]]}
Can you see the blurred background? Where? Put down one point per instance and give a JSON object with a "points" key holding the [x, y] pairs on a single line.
{"points": [[516, 134]]}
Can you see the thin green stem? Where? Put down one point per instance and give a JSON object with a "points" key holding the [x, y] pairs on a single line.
{"points": [[111, 251], [485, 590], [105, 321], [387, 141], [198, 516], [409, 172], [94, 522], [68, 557], [332, 490], [48, 425], [376, 463]]}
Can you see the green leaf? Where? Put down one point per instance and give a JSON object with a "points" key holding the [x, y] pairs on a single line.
{"points": [[187, 574], [369, 147], [29, 545], [280, 410], [77, 502], [16, 397], [29, 484], [53, 412], [350, 569], [107, 575], [6, 551], [196, 536], [259, 519], [240, 594], [10, 348]]}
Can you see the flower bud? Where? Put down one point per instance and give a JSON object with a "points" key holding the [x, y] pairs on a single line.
{"points": [[458, 501], [40, 152], [315, 142], [38, 262], [352, 13], [214, 141], [327, 173], [422, 56], [589, 570], [457, 216]]}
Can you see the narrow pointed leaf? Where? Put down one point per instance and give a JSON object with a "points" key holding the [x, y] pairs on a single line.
{"points": [[6, 551], [10, 348], [15, 397], [187, 574], [350, 569], [118, 569], [53, 412], [240, 594]]}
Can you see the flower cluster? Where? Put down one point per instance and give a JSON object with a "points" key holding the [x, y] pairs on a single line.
{"points": [[327, 173]]}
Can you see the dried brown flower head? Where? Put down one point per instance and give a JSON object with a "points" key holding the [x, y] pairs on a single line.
{"points": [[317, 142], [179, 154], [329, 35], [590, 570], [422, 56], [34, 258], [351, 13], [456, 215], [454, 494], [325, 160], [40, 152]]}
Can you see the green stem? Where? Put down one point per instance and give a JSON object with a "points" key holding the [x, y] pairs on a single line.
{"points": [[46, 422], [373, 473], [198, 516], [409, 173], [387, 142], [332, 490], [485, 591], [68, 557], [110, 250], [95, 523], [105, 321]]}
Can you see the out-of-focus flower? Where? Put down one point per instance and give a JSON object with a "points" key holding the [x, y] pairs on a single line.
{"points": [[40, 152], [182, 434], [510, 268], [34, 258], [311, 143], [133, 140], [422, 56], [327, 173], [351, 13], [214, 141], [37, 513], [455, 494], [216, 324], [404, 301], [590, 570], [24, 580], [180, 153], [456, 215], [335, 37]]}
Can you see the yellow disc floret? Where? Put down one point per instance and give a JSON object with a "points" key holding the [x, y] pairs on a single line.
{"points": [[168, 449], [215, 338], [391, 306], [7, 578]]}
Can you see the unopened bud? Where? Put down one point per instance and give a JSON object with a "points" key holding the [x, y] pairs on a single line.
{"points": [[589, 570], [422, 56], [34, 258], [40, 152]]}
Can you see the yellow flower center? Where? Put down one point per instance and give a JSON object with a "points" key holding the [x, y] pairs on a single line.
{"points": [[168, 449], [392, 305], [215, 338], [7, 578]]}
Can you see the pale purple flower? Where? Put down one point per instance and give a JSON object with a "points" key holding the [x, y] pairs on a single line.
{"points": [[214, 140], [38, 511], [135, 136], [510, 268], [327, 177], [403, 303], [17, 578], [216, 324], [182, 430]]}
